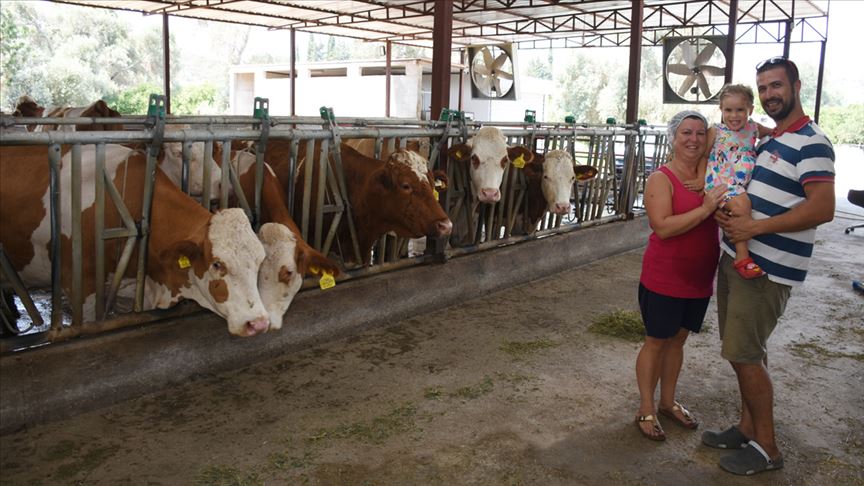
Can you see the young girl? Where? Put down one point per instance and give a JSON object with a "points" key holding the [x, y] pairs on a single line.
{"points": [[731, 157]]}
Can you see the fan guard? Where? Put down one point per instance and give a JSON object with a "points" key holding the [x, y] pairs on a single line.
{"points": [[492, 71], [694, 69]]}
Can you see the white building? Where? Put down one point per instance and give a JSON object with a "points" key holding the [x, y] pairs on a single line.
{"points": [[358, 89]]}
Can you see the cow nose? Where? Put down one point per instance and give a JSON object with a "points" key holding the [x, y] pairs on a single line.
{"points": [[561, 208], [444, 227], [256, 326], [490, 195]]}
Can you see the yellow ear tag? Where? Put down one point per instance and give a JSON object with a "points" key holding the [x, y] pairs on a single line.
{"points": [[184, 262], [435, 194], [314, 270], [327, 281], [458, 154], [519, 162]]}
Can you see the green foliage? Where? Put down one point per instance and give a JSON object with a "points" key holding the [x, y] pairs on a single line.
{"points": [[133, 101], [539, 69], [843, 124], [194, 100], [582, 98]]}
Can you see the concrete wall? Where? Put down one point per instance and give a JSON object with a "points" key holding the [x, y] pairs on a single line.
{"points": [[88, 373]]}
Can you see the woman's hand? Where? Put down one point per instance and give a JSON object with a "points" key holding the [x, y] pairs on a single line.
{"points": [[713, 198], [695, 185]]}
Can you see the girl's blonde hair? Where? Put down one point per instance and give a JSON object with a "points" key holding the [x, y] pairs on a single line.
{"points": [[736, 89]]}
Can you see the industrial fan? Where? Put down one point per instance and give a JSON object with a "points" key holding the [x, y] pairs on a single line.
{"points": [[694, 68], [492, 71]]}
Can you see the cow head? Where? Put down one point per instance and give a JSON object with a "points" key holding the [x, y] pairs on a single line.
{"points": [[402, 196], [287, 259], [172, 164], [100, 109], [556, 169], [489, 155], [27, 106], [222, 271], [279, 278]]}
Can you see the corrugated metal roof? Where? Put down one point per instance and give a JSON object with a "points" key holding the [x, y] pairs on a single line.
{"points": [[558, 23]]}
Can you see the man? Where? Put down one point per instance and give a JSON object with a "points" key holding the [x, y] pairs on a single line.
{"points": [[792, 191]]}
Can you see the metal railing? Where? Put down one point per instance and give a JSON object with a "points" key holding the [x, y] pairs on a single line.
{"points": [[623, 156]]}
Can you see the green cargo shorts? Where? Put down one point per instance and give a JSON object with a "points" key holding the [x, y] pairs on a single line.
{"points": [[747, 312]]}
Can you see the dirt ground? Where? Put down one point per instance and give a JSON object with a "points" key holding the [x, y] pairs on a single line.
{"points": [[506, 389]]}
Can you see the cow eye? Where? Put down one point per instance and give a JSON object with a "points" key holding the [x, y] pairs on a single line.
{"points": [[218, 266], [546, 177], [406, 186]]}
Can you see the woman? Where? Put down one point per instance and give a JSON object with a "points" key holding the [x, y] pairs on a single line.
{"points": [[677, 272]]}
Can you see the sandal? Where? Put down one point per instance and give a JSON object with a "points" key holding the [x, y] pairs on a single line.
{"points": [[656, 431], [688, 422], [750, 460], [748, 269], [731, 438]]}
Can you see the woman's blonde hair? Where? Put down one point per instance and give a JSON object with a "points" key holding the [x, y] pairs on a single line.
{"points": [[737, 89]]}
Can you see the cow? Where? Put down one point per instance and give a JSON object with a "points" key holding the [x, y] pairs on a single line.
{"points": [[97, 109], [366, 146], [396, 195], [489, 155], [550, 178], [170, 157], [193, 254], [287, 257], [28, 107]]}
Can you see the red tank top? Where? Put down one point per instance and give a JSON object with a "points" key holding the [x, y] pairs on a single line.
{"points": [[684, 265]]}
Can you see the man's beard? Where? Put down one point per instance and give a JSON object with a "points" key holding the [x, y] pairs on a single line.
{"points": [[785, 108]]}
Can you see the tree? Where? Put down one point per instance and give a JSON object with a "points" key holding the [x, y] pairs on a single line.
{"points": [[580, 86], [539, 69]]}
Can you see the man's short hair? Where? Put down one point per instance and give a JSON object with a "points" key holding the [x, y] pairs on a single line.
{"points": [[779, 61]]}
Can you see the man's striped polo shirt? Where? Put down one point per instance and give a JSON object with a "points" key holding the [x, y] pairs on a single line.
{"points": [[785, 163]]}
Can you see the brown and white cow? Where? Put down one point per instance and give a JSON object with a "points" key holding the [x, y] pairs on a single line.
{"points": [[212, 259], [170, 157], [27, 106], [287, 257], [395, 195], [489, 155], [550, 180], [97, 109]]}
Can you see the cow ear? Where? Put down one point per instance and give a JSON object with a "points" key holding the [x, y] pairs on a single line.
{"points": [[514, 153], [180, 255], [460, 152], [308, 258], [584, 172], [441, 181]]}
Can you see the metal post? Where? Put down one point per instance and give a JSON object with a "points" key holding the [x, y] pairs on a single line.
{"points": [[166, 59], [56, 257], [636, 13], [819, 83], [99, 227], [441, 44], [293, 73], [387, 72], [787, 39], [730, 40]]}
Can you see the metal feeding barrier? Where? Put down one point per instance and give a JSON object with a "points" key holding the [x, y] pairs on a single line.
{"points": [[623, 157]]}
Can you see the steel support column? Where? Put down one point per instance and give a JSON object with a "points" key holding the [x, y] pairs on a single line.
{"points": [[636, 14], [166, 59], [293, 61], [730, 40], [441, 43], [387, 73], [819, 83], [787, 39]]}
